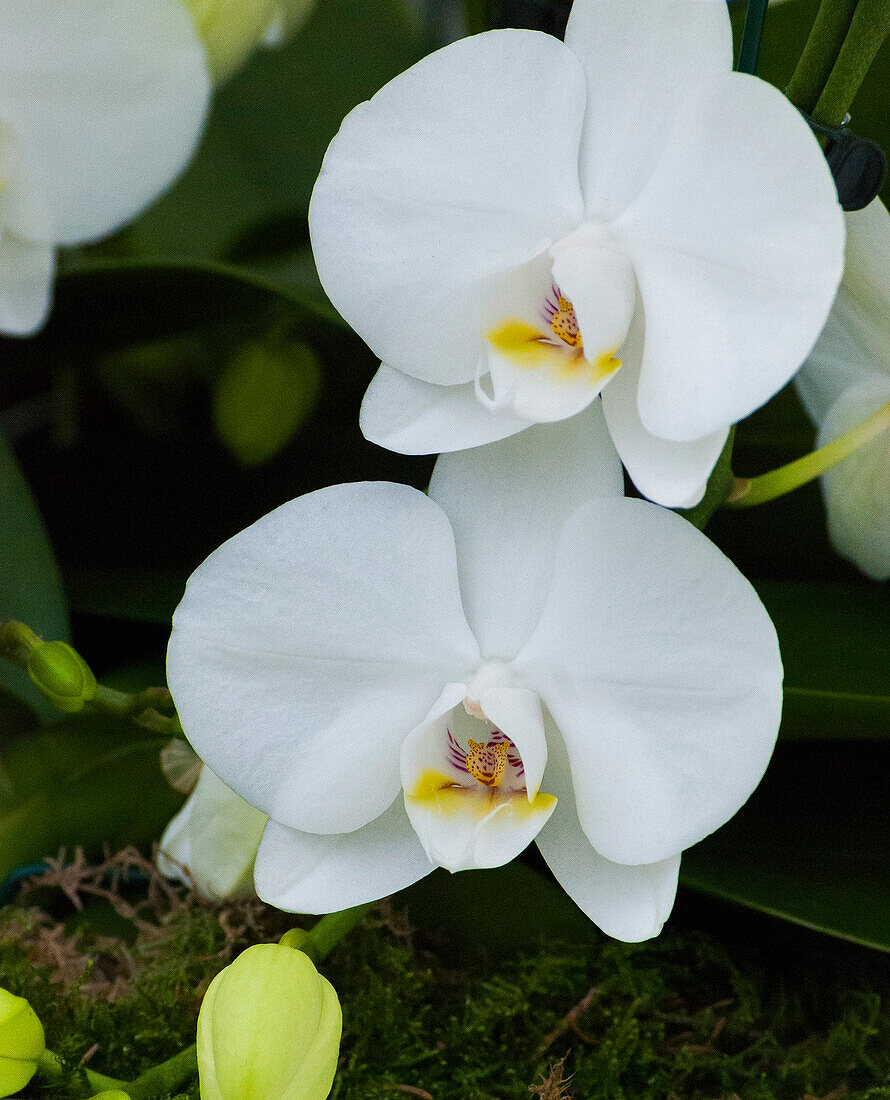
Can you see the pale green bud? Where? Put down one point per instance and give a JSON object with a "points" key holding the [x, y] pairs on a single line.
{"points": [[21, 1043], [263, 396], [62, 675], [231, 30], [269, 1029]]}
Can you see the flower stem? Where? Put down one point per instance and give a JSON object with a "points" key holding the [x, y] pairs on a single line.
{"points": [[152, 709], [752, 35], [746, 492], [820, 53], [869, 28], [165, 1078], [320, 940], [719, 485], [50, 1068]]}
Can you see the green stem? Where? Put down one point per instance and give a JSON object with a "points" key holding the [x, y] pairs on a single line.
{"points": [[476, 16], [868, 31], [719, 484], [749, 491], [51, 1069], [151, 709], [165, 1078], [320, 940], [820, 53], [752, 36]]}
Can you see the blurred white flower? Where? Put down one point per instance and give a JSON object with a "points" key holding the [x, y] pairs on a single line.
{"points": [[212, 842], [516, 224], [404, 680], [845, 380], [101, 106]]}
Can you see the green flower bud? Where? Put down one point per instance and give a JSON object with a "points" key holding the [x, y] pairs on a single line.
{"points": [[263, 396], [231, 30], [21, 1043], [269, 1029], [62, 675]]}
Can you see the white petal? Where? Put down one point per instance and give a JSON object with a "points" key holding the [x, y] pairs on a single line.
{"points": [[26, 280], [855, 343], [212, 842], [412, 417], [309, 645], [460, 168], [643, 59], [109, 96], [307, 873], [507, 503], [462, 827], [600, 284], [737, 242], [672, 474], [661, 668], [856, 497], [629, 903]]}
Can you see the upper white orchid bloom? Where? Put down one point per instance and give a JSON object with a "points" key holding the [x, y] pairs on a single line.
{"points": [[101, 106], [212, 842], [846, 379], [515, 224], [402, 680]]}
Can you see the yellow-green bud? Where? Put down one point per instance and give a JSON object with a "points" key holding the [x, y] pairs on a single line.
{"points": [[231, 30], [269, 1029], [62, 675], [21, 1043]]}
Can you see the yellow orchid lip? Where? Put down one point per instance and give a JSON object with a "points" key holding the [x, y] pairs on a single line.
{"points": [[529, 348]]}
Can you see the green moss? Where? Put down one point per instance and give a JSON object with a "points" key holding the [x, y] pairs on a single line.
{"points": [[686, 1016]]}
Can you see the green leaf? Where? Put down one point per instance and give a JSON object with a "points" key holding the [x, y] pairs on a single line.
{"points": [[30, 586], [84, 781], [834, 640], [811, 844], [503, 909], [270, 126]]}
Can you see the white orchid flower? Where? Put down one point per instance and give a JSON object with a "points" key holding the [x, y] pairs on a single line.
{"points": [[403, 681], [101, 106], [211, 844], [845, 380], [515, 224]]}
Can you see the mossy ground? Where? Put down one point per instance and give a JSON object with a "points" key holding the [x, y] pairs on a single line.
{"points": [[759, 1011]]}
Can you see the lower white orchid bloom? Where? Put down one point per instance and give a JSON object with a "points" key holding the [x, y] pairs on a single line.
{"points": [[515, 224], [404, 680], [101, 106], [845, 380], [211, 844]]}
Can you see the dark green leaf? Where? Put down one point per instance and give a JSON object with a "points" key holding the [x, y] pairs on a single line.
{"points": [[85, 781], [811, 844], [503, 909], [30, 587]]}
